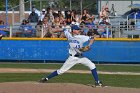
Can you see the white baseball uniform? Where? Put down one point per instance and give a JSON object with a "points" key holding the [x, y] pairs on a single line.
{"points": [[75, 42]]}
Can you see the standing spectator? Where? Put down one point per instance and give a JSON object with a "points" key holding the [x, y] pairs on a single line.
{"points": [[33, 17]]}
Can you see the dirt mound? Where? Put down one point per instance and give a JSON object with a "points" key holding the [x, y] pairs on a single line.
{"points": [[34, 87]]}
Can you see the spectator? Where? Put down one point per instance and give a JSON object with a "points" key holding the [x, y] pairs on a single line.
{"points": [[62, 20], [104, 14], [73, 15], [42, 15], [56, 27], [26, 28], [36, 10], [90, 23], [68, 21], [84, 28], [50, 15], [60, 14], [33, 17], [74, 18], [92, 30], [85, 15], [68, 14], [4, 31], [47, 30], [103, 29]]}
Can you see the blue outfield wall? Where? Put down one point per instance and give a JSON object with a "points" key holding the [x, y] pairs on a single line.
{"points": [[101, 50]]}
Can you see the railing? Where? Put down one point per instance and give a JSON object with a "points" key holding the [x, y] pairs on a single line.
{"points": [[117, 29], [110, 31]]}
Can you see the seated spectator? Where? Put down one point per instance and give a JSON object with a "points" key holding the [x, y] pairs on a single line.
{"points": [[94, 33], [103, 29], [68, 14], [68, 21], [104, 14], [84, 28], [73, 15], [50, 14], [47, 29], [4, 31], [85, 15], [62, 19], [26, 29], [90, 24], [33, 17], [56, 25], [42, 15], [105, 34]]}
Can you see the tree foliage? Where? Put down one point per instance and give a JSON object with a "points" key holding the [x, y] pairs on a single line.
{"points": [[61, 4]]}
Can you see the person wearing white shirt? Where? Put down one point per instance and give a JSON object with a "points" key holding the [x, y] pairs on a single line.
{"points": [[42, 15]]}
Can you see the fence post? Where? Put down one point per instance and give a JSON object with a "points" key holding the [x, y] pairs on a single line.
{"points": [[42, 32], [107, 31], [127, 23], [10, 31], [13, 16]]}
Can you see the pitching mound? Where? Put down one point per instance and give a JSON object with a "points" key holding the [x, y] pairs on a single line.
{"points": [[33, 87]]}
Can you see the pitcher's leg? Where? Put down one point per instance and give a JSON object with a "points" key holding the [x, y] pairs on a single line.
{"points": [[70, 62], [85, 61]]}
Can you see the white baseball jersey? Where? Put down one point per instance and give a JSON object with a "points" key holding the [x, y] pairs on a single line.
{"points": [[75, 42]]}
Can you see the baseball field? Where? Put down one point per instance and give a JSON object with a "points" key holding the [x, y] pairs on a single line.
{"points": [[23, 78]]}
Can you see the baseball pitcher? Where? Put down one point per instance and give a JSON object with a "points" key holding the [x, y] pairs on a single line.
{"points": [[76, 49]]}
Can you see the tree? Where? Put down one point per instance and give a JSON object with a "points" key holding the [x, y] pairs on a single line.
{"points": [[21, 10]]}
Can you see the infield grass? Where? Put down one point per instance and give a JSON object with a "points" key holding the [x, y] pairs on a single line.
{"points": [[100, 67], [109, 80]]}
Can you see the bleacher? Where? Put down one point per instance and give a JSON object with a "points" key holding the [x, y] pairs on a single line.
{"points": [[16, 29]]}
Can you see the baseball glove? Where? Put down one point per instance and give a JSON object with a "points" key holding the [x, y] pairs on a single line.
{"points": [[85, 48]]}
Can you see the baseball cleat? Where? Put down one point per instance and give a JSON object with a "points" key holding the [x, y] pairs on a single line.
{"points": [[99, 84], [43, 80]]}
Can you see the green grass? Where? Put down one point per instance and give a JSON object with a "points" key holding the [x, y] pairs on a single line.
{"points": [[109, 80], [112, 68], [132, 81]]}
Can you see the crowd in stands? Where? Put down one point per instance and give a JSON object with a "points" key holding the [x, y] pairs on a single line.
{"points": [[49, 22]]}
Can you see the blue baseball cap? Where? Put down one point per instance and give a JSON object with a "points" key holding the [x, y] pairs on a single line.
{"points": [[75, 27]]}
